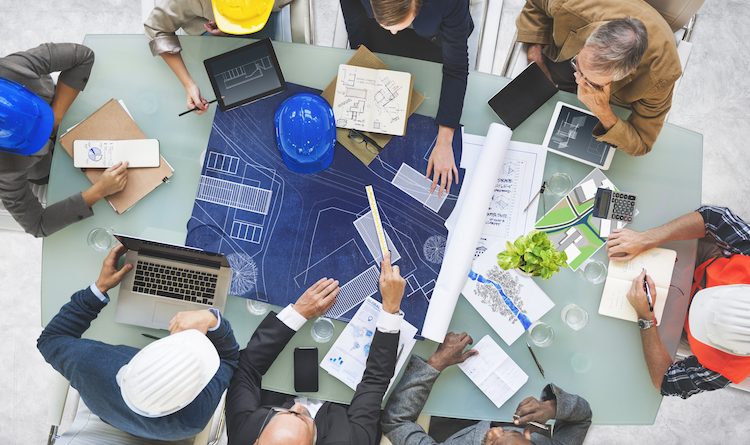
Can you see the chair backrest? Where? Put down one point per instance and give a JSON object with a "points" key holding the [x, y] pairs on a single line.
{"points": [[676, 12]]}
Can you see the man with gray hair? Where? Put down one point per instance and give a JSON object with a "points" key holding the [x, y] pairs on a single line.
{"points": [[607, 51]]}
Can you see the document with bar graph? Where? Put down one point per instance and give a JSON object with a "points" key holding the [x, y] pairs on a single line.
{"points": [[283, 231]]}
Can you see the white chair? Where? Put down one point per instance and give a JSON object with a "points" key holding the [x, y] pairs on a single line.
{"points": [[72, 423], [679, 14]]}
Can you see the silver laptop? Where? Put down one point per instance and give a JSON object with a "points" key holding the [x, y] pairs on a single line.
{"points": [[167, 279]]}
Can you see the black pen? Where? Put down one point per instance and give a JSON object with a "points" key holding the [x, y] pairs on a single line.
{"points": [[153, 337], [535, 359], [540, 192], [648, 294], [196, 108]]}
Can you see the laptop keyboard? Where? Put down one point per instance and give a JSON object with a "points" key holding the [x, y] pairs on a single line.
{"points": [[174, 282]]}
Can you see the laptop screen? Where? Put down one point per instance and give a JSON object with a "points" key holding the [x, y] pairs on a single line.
{"points": [[173, 252]]}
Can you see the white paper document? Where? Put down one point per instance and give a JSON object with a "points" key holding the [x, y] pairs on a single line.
{"points": [[347, 358], [521, 177], [522, 293], [373, 100], [494, 372]]}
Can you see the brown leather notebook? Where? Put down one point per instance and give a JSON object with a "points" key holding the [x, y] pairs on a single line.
{"points": [[112, 122], [365, 58]]}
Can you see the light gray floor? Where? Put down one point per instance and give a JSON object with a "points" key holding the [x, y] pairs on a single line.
{"points": [[713, 99]]}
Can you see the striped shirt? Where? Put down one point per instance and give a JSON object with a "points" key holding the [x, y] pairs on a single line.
{"points": [[688, 377]]}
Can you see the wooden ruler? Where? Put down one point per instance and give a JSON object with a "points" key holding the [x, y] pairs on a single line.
{"points": [[376, 219]]}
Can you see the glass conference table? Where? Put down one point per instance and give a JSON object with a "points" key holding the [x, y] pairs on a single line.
{"points": [[603, 362]]}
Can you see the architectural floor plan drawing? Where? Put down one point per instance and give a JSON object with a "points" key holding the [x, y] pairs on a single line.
{"points": [[245, 73], [283, 231]]}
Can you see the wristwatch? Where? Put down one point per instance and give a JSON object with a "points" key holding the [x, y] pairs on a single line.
{"points": [[645, 324]]}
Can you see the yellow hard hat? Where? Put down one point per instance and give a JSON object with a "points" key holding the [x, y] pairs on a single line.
{"points": [[241, 16]]}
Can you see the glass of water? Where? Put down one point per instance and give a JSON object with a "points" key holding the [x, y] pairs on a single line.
{"points": [[574, 316], [256, 307], [559, 184], [594, 271], [100, 239], [322, 330], [541, 334]]}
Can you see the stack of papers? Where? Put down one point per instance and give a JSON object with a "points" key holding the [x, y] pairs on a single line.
{"points": [[494, 372], [347, 358]]}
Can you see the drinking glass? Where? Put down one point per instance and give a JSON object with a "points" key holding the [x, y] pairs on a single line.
{"points": [[256, 307], [322, 330], [559, 184], [100, 239], [594, 272], [574, 316], [541, 334]]}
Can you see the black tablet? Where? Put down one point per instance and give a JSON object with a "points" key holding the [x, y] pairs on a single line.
{"points": [[522, 96], [245, 74]]}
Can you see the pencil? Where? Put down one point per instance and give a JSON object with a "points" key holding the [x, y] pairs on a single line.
{"points": [[153, 337], [196, 108], [535, 359]]}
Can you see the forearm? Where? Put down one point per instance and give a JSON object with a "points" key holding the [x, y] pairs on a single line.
{"points": [[177, 65], [686, 227], [92, 195], [445, 136], [656, 355], [64, 97]]}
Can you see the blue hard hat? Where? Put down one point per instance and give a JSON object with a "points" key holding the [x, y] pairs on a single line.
{"points": [[26, 120], [305, 133]]}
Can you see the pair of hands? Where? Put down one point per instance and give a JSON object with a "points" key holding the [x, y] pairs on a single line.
{"points": [[322, 295], [529, 410]]}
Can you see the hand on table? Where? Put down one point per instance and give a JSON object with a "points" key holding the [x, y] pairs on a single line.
{"points": [[452, 351], [442, 166], [110, 276], [202, 320], [318, 298], [624, 244], [637, 296], [534, 54], [392, 285], [195, 99]]}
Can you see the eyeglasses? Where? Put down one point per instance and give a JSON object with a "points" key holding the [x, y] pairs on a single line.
{"points": [[370, 144], [277, 410], [593, 85]]}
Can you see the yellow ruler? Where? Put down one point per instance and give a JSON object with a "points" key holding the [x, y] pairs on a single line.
{"points": [[376, 219]]}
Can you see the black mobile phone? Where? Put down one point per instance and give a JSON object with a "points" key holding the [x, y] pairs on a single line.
{"points": [[306, 369]]}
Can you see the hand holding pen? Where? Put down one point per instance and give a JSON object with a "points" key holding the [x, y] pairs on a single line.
{"points": [[642, 296], [647, 288]]}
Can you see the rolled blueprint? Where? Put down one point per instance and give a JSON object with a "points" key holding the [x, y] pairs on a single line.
{"points": [[459, 253]]}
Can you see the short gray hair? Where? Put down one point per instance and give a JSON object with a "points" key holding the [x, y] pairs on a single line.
{"points": [[618, 47]]}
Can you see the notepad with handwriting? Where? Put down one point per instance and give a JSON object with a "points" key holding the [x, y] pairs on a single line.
{"points": [[659, 264]]}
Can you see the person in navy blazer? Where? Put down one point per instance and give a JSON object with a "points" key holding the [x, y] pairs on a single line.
{"points": [[434, 30]]}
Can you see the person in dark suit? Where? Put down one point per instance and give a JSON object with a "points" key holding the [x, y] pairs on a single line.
{"points": [[433, 30], [260, 417]]}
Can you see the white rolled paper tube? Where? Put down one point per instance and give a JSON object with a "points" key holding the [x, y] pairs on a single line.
{"points": [[459, 254]]}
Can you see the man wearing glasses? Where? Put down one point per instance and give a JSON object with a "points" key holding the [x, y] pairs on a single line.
{"points": [[607, 51], [258, 417]]}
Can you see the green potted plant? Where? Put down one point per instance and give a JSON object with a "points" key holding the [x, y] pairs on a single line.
{"points": [[532, 254]]}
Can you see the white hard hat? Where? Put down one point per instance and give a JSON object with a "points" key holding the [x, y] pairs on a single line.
{"points": [[168, 374], [720, 317]]}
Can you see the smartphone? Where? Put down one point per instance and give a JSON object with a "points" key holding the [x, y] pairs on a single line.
{"points": [[104, 154], [306, 369]]}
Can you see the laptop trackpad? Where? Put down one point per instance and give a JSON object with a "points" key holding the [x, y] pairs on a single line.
{"points": [[163, 313]]}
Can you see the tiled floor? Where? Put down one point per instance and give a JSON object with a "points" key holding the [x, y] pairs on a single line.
{"points": [[714, 98]]}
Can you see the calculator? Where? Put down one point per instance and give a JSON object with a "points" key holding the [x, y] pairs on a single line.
{"points": [[616, 205]]}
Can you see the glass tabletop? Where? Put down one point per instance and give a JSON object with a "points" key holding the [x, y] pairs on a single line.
{"points": [[603, 362]]}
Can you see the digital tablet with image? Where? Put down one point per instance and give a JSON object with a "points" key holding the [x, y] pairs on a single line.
{"points": [[570, 134]]}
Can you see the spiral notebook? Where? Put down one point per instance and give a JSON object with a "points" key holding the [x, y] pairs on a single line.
{"points": [[659, 264]]}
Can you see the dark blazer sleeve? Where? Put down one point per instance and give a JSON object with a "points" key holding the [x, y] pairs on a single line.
{"points": [[454, 35], [364, 411], [244, 394], [572, 419]]}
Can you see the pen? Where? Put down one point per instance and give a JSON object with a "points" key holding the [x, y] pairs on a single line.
{"points": [[648, 294], [196, 108], [541, 190], [532, 423], [153, 337], [539, 367]]}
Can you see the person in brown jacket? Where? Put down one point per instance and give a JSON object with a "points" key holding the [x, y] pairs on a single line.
{"points": [[607, 51]]}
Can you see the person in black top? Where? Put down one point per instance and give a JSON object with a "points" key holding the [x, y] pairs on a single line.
{"points": [[433, 30]]}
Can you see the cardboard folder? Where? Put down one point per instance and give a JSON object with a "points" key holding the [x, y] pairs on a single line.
{"points": [[113, 122], [365, 58]]}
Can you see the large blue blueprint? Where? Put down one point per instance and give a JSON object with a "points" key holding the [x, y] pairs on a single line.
{"points": [[282, 231]]}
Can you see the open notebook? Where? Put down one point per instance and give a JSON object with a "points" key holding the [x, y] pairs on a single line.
{"points": [[659, 264]]}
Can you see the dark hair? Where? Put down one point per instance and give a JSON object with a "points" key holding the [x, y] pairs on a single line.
{"points": [[393, 12]]}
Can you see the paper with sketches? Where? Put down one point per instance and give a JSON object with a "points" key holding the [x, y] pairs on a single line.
{"points": [[371, 100], [494, 372], [525, 297], [347, 358], [521, 177]]}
